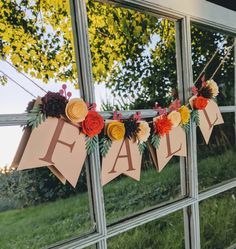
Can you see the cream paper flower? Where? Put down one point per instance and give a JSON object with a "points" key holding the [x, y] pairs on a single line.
{"points": [[214, 87], [175, 118], [143, 131]]}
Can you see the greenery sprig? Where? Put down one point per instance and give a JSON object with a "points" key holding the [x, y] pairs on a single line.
{"points": [[35, 117], [105, 145], [155, 140], [91, 143], [195, 117]]}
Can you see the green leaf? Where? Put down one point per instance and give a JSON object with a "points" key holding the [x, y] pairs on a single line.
{"points": [[195, 117], [142, 147], [35, 117], [91, 143], [105, 145], [186, 127], [155, 140]]}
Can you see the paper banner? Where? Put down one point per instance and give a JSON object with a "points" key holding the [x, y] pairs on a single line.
{"points": [[209, 117], [122, 158], [172, 144], [56, 144]]}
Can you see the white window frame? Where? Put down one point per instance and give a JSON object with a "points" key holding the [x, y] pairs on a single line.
{"points": [[189, 175]]}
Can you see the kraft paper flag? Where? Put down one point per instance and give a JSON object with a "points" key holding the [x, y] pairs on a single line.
{"points": [[123, 158], [56, 144], [172, 144], [209, 117]]}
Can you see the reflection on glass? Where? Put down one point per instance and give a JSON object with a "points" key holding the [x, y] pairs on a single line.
{"points": [[217, 161], [205, 42], [165, 233], [134, 66], [36, 209], [125, 196], [37, 41], [133, 57], [218, 221]]}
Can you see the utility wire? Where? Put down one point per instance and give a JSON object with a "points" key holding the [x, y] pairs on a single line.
{"points": [[17, 84], [25, 75]]}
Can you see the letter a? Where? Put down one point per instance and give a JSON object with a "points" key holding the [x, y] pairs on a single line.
{"points": [[122, 158]]}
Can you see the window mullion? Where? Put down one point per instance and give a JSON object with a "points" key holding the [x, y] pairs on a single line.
{"points": [[193, 212], [84, 68]]}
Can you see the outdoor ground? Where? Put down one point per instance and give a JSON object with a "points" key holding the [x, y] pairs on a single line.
{"points": [[38, 226]]}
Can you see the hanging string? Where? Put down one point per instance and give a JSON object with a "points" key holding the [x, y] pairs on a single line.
{"points": [[37, 85], [223, 60], [221, 63], [18, 84], [206, 66]]}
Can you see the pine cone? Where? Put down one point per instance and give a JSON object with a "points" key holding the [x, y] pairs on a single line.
{"points": [[205, 92], [53, 104], [131, 127]]}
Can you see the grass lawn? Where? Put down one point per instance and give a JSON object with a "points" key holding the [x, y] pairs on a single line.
{"points": [[38, 226]]}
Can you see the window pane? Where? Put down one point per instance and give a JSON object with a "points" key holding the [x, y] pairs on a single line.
{"points": [[218, 221], [133, 57], [165, 233], [134, 66], [205, 41], [217, 161], [125, 197], [36, 38], [35, 208]]}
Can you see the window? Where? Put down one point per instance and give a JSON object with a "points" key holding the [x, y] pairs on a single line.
{"points": [[124, 55]]}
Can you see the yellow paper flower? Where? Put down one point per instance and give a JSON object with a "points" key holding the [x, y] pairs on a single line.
{"points": [[214, 87], [76, 110], [116, 130], [175, 118], [143, 131], [185, 114]]}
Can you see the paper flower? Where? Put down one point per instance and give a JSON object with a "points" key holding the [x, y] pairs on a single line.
{"points": [[200, 103], [76, 110], [116, 130], [131, 127], [175, 118], [206, 92], [214, 87], [162, 125], [93, 124], [143, 131], [185, 114], [53, 104]]}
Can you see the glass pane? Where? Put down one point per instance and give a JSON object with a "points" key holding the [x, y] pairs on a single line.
{"points": [[218, 221], [165, 233], [217, 160], [36, 209], [37, 40], [205, 42], [125, 196], [134, 67], [133, 58]]}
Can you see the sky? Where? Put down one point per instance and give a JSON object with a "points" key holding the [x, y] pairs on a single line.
{"points": [[14, 100]]}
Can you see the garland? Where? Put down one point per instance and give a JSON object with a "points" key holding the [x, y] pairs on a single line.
{"points": [[92, 124]]}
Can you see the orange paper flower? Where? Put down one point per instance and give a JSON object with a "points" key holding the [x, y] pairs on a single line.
{"points": [[93, 124], [200, 103], [162, 125]]}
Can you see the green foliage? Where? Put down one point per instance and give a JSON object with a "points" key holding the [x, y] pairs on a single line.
{"points": [[142, 147], [3, 80], [104, 145], [91, 143], [186, 127], [35, 117], [155, 140], [195, 117]]}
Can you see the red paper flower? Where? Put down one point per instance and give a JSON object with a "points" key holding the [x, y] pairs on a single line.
{"points": [[93, 124], [200, 103], [162, 125]]}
